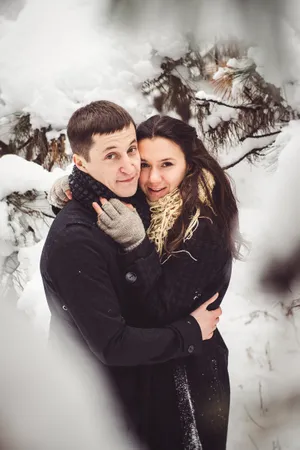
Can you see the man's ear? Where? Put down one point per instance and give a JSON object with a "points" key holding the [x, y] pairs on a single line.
{"points": [[80, 162]]}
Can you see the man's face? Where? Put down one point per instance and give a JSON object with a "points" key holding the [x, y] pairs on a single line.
{"points": [[114, 161]]}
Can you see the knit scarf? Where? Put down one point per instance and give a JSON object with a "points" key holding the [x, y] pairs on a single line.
{"points": [[167, 209], [87, 190]]}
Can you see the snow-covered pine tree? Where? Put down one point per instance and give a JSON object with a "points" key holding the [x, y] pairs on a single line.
{"points": [[242, 108], [28, 213], [32, 143], [216, 87]]}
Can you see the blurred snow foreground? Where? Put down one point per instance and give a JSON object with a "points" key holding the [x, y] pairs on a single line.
{"points": [[107, 49], [280, 258], [93, 56], [47, 400]]}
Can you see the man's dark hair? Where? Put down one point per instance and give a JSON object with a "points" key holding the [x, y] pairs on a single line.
{"points": [[101, 117]]}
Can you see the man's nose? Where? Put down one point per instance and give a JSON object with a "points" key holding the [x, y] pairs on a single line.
{"points": [[127, 167]]}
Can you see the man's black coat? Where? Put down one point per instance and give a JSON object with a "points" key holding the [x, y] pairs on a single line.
{"points": [[85, 290]]}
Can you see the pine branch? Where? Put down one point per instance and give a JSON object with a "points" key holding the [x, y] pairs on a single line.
{"points": [[24, 144], [273, 133], [4, 148], [33, 145], [254, 421], [220, 103], [253, 442], [47, 215], [259, 109], [254, 151]]}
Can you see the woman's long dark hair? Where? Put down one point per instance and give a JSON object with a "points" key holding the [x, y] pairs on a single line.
{"points": [[223, 211]]}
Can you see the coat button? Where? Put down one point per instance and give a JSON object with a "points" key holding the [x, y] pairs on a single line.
{"points": [[191, 349], [130, 277], [65, 308]]}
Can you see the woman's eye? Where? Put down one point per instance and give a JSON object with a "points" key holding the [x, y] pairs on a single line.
{"points": [[144, 165], [167, 164]]}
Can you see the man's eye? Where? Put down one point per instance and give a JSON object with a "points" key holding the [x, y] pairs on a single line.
{"points": [[132, 150], [110, 156], [144, 165]]}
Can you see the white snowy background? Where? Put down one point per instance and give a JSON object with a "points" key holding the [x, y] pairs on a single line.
{"points": [[58, 55]]}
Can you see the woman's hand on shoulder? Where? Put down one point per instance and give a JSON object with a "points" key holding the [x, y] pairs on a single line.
{"points": [[60, 192], [121, 222]]}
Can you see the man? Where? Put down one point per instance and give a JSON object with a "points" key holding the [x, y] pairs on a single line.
{"points": [[82, 280]]}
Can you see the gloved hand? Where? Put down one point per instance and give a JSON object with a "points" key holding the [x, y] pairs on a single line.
{"points": [[122, 223], [60, 193]]}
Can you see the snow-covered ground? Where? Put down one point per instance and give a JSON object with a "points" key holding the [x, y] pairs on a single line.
{"points": [[262, 338], [76, 55]]}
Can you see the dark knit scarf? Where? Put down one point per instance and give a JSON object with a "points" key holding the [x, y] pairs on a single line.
{"points": [[87, 190]]}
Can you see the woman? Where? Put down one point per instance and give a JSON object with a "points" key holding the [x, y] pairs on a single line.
{"points": [[193, 212], [183, 262]]}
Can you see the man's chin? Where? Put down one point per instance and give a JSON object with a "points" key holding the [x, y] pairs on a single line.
{"points": [[128, 191]]}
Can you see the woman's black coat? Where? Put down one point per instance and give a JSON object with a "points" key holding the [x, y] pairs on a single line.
{"points": [[185, 402]]}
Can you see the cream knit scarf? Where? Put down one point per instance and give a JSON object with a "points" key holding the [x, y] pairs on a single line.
{"points": [[167, 209]]}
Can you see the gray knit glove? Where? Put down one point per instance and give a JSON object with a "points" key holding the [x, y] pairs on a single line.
{"points": [[122, 224], [57, 195]]}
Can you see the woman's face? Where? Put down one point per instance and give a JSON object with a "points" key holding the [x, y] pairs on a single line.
{"points": [[163, 167]]}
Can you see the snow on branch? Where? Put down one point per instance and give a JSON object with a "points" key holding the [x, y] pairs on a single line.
{"points": [[33, 144], [243, 105], [251, 148]]}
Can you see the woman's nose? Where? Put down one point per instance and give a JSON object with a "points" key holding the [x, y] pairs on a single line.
{"points": [[154, 176]]}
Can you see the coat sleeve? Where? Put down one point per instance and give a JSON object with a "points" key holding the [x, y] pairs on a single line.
{"points": [[79, 276], [165, 291]]}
